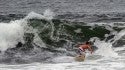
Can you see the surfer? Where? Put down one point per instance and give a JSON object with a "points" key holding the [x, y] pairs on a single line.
{"points": [[84, 47]]}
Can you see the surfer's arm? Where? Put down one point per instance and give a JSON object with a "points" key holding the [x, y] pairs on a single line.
{"points": [[90, 49]]}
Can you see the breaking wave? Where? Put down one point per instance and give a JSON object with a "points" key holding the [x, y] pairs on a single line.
{"points": [[43, 38]]}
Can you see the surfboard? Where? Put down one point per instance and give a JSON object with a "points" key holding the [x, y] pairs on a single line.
{"points": [[80, 58]]}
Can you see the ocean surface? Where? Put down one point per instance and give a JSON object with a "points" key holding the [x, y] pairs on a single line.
{"points": [[44, 34]]}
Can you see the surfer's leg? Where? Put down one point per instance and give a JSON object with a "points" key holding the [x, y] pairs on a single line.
{"points": [[79, 51]]}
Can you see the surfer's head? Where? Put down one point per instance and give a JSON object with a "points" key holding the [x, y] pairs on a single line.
{"points": [[88, 43]]}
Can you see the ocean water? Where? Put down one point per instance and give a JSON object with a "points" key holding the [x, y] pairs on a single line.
{"points": [[43, 35]]}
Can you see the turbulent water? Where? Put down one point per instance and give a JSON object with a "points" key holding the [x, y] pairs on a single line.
{"points": [[48, 38]]}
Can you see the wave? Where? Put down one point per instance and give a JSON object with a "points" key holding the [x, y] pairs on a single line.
{"points": [[40, 38]]}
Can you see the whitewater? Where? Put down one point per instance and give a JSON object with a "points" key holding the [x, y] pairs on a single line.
{"points": [[106, 57], [44, 34]]}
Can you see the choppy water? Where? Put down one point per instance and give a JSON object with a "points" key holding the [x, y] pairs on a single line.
{"points": [[79, 6], [48, 40], [89, 64]]}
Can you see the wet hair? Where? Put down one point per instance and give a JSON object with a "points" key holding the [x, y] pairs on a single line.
{"points": [[88, 42]]}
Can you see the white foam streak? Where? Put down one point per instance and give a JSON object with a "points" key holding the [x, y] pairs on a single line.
{"points": [[67, 66], [119, 35], [120, 48]]}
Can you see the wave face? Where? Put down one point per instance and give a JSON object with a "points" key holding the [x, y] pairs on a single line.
{"points": [[43, 38]]}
